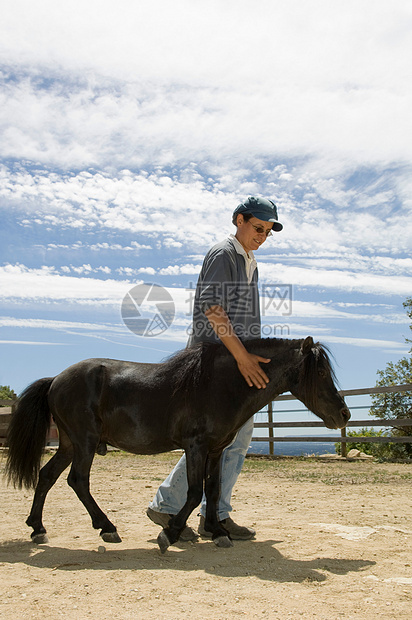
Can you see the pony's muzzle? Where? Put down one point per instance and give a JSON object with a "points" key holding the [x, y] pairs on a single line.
{"points": [[345, 413], [333, 423]]}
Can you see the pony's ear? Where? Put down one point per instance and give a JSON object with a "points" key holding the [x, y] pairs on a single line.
{"points": [[307, 345]]}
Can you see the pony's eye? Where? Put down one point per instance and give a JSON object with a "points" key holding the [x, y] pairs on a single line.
{"points": [[322, 373]]}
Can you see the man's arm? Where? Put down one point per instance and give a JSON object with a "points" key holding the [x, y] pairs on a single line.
{"points": [[248, 363]]}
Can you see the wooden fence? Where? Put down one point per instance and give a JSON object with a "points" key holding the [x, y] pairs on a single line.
{"points": [[6, 413], [342, 438]]}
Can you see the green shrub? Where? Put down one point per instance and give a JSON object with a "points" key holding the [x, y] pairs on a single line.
{"points": [[6, 393], [378, 450]]}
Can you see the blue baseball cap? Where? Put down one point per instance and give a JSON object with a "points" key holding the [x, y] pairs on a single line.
{"points": [[262, 208]]}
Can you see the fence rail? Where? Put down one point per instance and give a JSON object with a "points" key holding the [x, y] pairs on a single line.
{"points": [[6, 413], [271, 439]]}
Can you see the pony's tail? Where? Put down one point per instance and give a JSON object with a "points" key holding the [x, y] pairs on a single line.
{"points": [[27, 435]]}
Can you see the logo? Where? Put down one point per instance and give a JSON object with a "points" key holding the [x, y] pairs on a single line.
{"points": [[148, 310], [277, 299]]}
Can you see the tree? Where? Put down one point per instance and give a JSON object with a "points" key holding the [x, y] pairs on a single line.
{"points": [[397, 404], [6, 393], [408, 305]]}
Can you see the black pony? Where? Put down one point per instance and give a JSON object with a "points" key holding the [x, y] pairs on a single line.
{"points": [[197, 400]]}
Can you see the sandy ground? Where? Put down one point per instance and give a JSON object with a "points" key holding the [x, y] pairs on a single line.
{"points": [[334, 540]]}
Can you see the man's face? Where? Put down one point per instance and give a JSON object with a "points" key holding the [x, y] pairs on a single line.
{"points": [[247, 234]]}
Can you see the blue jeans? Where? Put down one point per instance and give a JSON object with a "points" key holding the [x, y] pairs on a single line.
{"points": [[172, 493]]}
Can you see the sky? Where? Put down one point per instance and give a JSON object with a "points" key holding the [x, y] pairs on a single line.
{"points": [[130, 131]]}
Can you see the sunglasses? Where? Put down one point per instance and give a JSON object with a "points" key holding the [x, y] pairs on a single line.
{"points": [[260, 230]]}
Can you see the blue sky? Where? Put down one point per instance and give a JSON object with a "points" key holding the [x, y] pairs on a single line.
{"points": [[131, 130]]}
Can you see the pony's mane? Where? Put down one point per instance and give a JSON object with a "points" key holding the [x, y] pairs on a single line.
{"points": [[318, 360], [190, 369]]}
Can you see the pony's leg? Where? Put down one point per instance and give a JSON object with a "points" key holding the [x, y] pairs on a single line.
{"points": [[195, 465], [79, 480], [220, 536], [47, 477]]}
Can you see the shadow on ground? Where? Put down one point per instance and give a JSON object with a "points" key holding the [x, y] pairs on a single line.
{"points": [[257, 558]]}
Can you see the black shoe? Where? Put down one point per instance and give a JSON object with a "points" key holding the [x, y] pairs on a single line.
{"points": [[163, 518], [236, 532]]}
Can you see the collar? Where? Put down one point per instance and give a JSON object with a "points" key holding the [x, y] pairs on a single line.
{"points": [[241, 250], [250, 262]]}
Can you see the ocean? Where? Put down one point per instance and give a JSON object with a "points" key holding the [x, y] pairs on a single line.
{"points": [[293, 448]]}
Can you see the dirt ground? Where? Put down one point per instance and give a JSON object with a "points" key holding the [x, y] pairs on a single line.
{"points": [[334, 540]]}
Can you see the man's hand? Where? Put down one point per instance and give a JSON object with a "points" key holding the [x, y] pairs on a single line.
{"points": [[248, 363], [251, 370]]}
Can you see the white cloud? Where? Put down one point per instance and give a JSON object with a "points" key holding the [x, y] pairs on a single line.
{"points": [[123, 39], [178, 332], [57, 325], [135, 128], [81, 269], [356, 263], [149, 270], [151, 205], [22, 283], [31, 343], [304, 81], [174, 270], [328, 311], [166, 212], [171, 243], [370, 343], [366, 283], [96, 247]]}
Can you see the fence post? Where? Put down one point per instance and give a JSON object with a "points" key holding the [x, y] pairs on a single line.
{"points": [[270, 420], [343, 450]]}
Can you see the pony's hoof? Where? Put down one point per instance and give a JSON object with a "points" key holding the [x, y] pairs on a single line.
{"points": [[102, 449], [40, 539], [111, 537], [223, 541], [163, 541]]}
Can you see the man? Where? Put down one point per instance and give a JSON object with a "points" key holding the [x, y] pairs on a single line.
{"points": [[226, 309]]}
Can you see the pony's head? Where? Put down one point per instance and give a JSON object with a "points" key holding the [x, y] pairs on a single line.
{"points": [[316, 385]]}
